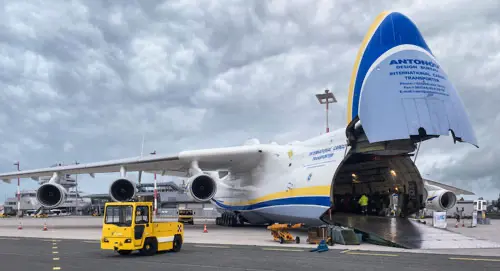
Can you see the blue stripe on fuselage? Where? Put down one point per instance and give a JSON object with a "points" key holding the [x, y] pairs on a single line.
{"points": [[313, 200]]}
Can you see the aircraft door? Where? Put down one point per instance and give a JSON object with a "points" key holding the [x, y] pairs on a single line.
{"points": [[142, 223], [398, 87]]}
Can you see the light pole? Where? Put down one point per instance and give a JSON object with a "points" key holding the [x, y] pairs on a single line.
{"points": [[77, 198], [18, 191], [155, 206], [326, 98]]}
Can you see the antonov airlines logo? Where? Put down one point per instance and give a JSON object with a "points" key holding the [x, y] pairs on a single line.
{"points": [[409, 61]]}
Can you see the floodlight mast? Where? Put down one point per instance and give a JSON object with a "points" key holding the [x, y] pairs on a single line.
{"points": [[326, 98]]}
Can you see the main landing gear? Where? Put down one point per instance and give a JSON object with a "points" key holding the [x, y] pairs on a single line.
{"points": [[229, 220]]}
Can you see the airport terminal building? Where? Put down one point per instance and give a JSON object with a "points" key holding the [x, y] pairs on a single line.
{"points": [[171, 197]]}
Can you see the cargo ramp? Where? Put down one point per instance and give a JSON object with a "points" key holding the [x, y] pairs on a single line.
{"points": [[406, 233]]}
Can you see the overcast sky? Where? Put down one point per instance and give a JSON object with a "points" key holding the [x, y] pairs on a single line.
{"points": [[82, 80]]}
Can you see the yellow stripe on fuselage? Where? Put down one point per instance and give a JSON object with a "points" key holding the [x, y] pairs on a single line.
{"points": [[323, 190], [361, 51]]}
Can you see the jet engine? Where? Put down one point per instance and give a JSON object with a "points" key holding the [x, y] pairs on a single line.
{"points": [[51, 195], [201, 187], [122, 190], [440, 200]]}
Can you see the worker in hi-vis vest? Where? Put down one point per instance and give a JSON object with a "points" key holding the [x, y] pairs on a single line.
{"points": [[363, 202]]}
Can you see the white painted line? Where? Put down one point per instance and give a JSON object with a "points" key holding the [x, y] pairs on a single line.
{"points": [[476, 259]]}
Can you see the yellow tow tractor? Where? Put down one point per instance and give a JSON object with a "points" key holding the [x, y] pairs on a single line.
{"points": [[186, 216], [128, 226], [280, 232]]}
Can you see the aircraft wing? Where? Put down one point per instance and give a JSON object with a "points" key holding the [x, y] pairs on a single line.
{"points": [[234, 159], [456, 190]]}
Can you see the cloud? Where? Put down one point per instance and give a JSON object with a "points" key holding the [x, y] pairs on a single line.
{"points": [[86, 80]]}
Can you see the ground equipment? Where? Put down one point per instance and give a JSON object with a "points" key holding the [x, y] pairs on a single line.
{"points": [[128, 226], [316, 234], [280, 232], [186, 216]]}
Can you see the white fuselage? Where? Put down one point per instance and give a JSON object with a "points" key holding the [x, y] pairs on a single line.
{"points": [[291, 185]]}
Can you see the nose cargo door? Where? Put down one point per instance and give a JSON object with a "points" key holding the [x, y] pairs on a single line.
{"points": [[398, 90]]}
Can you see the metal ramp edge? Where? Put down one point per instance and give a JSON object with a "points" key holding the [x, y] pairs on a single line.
{"points": [[405, 233]]}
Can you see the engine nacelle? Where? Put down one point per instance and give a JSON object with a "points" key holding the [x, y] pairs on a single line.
{"points": [[122, 190], [440, 200], [51, 195], [201, 187]]}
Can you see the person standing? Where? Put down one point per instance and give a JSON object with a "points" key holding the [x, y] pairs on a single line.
{"points": [[363, 202]]}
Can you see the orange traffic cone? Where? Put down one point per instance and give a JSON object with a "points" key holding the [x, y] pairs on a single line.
{"points": [[205, 228], [44, 226], [20, 227]]}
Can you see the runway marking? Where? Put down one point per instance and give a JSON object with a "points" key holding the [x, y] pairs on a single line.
{"points": [[8, 238], [371, 254], [212, 246], [55, 259], [344, 251], [56, 268], [54, 247], [282, 249], [476, 259], [54, 252]]}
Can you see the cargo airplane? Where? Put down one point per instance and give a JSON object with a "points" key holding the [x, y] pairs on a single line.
{"points": [[398, 97]]}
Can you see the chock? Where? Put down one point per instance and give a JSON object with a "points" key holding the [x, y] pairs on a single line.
{"points": [[322, 247]]}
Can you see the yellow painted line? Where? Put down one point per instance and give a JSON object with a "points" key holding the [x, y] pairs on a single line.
{"points": [[54, 252], [344, 251], [54, 247], [476, 259], [56, 268], [282, 249], [55, 259], [212, 246], [371, 254]]}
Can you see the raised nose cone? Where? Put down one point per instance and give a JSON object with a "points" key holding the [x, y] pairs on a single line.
{"points": [[398, 89]]}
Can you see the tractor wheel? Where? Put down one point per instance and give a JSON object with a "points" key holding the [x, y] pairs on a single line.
{"points": [[150, 247], [177, 243]]}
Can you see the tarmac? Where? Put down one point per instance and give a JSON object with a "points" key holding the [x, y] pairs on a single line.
{"points": [[27, 254], [89, 229]]}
